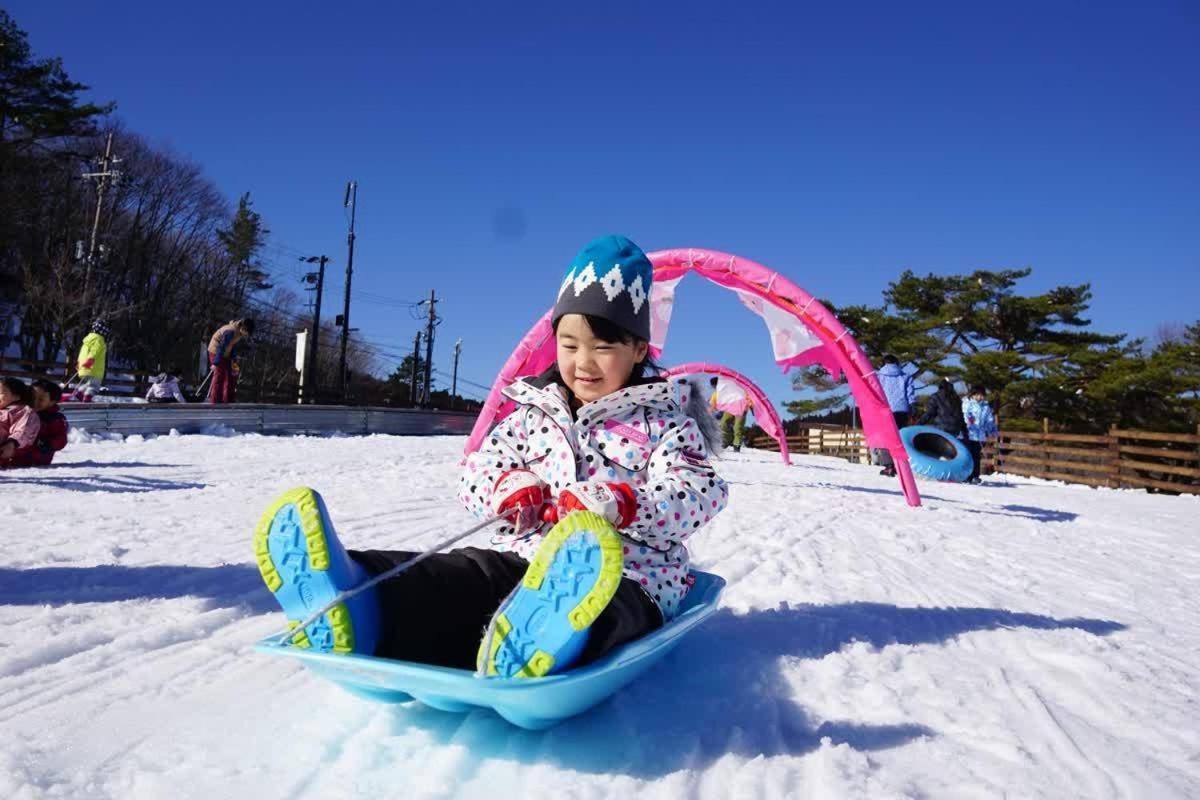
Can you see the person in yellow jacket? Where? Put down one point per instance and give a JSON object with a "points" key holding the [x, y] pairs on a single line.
{"points": [[92, 362]]}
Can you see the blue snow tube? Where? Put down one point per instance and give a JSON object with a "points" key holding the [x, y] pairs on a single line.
{"points": [[936, 454]]}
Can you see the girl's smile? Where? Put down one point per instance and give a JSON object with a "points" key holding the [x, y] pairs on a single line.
{"points": [[593, 368]]}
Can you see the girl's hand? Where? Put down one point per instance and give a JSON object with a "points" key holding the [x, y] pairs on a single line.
{"points": [[519, 496], [616, 502]]}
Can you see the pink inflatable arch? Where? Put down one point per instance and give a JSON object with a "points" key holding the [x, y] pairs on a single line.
{"points": [[764, 411], [802, 332]]}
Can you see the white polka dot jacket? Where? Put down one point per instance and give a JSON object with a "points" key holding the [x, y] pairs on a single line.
{"points": [[640, 435]]}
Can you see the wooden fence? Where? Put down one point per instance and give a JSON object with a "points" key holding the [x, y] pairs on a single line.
{"points": [[1168, 462], [822, 440], [117, 383], [1120, 458]]}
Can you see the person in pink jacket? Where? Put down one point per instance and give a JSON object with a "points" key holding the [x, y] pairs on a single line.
{"points": [[19, 423], [601, 477]]}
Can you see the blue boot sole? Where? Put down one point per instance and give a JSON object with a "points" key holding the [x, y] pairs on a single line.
{"points": [[305, 566], [542, 627]]}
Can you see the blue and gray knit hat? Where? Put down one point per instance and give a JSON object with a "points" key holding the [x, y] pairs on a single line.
{"points": [[610, 279]]}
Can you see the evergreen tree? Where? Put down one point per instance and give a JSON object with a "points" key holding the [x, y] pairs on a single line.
{"points": [[1035, 354], [244, 240], [39, 105], [400, 381], [37, 99]]}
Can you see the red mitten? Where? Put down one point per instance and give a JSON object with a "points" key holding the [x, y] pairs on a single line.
{"points": [[88, 364], [518, 497], [616, 502]]}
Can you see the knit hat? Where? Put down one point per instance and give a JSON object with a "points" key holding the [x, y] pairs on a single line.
{"points": [[610, 279], [101, 327]]}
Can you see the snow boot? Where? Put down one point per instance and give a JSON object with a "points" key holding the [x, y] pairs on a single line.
{"points": [[542, 626], [305, 566]]}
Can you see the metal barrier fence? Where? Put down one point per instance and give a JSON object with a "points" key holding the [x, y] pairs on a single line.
{"points": [[162, 418]]}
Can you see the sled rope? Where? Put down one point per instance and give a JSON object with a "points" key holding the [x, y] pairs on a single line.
{"points": [[286, 636]]}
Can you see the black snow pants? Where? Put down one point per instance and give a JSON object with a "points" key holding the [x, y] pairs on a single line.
{"points": [[437, 611], [976, 451]]}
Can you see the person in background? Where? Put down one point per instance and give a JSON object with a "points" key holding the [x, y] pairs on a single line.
{"points": [[92, 362], [19, 423], [222, 352], [732, 404], [901, 395], [981, 426], [944, 410], [164, 388], [52, 430]]}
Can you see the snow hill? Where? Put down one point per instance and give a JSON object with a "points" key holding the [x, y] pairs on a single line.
{"points": [[1017, 639]]}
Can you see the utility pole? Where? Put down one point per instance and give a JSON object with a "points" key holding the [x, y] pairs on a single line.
{"points": [[412, 386], [103, 176], [348, 202], [429, 343], [313, 353], [454, 380]]}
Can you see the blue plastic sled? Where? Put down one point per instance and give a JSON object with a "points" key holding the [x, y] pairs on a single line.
{"points": [[529, 703], [936, 454]]}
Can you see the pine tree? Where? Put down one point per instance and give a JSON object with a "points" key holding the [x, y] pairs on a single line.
{"points": [[400, 381], [1035, 355], [37, 99], [244, 240]]}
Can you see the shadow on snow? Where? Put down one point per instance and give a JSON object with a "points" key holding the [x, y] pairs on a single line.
{"points": [[226, 585], [1035, 513], [724, 691]]}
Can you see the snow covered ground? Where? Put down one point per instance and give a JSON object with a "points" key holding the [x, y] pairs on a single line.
{"points": [[1019, 639]]}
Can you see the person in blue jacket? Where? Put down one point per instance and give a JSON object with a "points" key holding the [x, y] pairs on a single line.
{"points": [[981, 426], [901, 396]]}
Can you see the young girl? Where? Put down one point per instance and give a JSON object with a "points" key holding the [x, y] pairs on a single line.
{"points": [[92, 361], [164, 388], [618, 458], [52, 426], [19, 423], [980, 424]]}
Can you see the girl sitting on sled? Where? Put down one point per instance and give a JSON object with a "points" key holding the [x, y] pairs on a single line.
{"points": [[601, 474]]}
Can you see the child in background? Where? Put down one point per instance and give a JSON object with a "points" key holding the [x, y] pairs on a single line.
{"points": [[92, 361], [602, 475], [981, 426], [19, 423], [734, 404], [52, 433], [164, 388]]}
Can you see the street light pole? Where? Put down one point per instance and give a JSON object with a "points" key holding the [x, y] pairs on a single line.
{"points": [[454, 380], [348, 202], [313, 352]]}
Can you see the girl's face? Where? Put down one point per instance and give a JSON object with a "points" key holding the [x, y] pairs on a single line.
{"points": [[7, 398], [590, 367]]}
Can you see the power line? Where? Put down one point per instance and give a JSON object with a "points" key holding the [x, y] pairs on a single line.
{"points": [[461, 379]]}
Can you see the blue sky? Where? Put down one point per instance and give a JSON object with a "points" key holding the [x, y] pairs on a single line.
{"points": [[836, 145]]}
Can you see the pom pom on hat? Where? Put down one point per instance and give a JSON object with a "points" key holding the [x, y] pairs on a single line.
{"points": [[611, 279]]}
